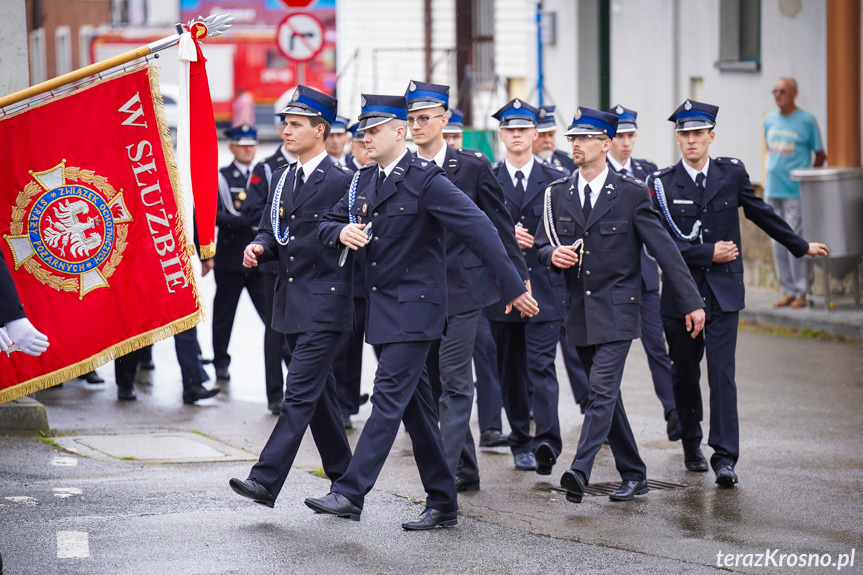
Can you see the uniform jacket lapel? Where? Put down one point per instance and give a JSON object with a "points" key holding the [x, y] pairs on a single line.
{"points": [[312, 180], [536, 183], [390, 183], [685, 185], [715, 180], [572, 201], [451, 164], [509, 191]]}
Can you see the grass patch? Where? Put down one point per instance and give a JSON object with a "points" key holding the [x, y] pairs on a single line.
{"points": [[319, 472], [49, 441]]}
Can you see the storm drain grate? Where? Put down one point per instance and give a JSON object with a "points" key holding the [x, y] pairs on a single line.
{"points": [[605, 489]]}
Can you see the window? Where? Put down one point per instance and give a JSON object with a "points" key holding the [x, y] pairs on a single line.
{"points": [[63, 49], [37, 57], [85, 36], [739, 35]]}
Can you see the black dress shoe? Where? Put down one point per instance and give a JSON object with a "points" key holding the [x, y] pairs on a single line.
{"points": [[197, 392], [525, 461], [725, 476], [92, 377], [672, 425], [275, 407], [492, 438], [253, 490], [223, 373], [431, 518], [335, 504], [629, 489], [126, 395], [694, 460], [148, 365], [545, 459], [364, 398], [573, 481], [463, 484]]}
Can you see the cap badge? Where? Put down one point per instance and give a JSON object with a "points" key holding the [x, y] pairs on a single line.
{"points": [[542, 113], [296, 95], [412, 87], [363, 101], [245, 128], [516, 104], [577, 115], [619, 110], [687, 106]]}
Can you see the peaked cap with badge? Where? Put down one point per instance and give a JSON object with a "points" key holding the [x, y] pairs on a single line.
{"points": [[309, 102], [456, 122], [379, 109], [422, 95], [692, 115], [594, 122], [625, 119], [517, 114], [242, 135]]}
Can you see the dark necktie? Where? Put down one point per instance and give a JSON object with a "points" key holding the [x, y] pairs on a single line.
{"points": [[587, 207], [301, 179], [519, 185], [699, 183]]}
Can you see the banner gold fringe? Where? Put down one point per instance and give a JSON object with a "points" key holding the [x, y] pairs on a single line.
{"points": [[208, 251], [100, 359]]}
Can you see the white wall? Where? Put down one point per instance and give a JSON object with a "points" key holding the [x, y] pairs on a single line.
{"points": [[14, 59]]}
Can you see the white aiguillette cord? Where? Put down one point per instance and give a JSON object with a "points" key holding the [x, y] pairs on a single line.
{"points": [[352, 196], [551, 232]]}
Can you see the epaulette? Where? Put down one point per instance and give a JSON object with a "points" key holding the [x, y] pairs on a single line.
{"points": [[472, 153], [734, 161], [420, 163], [632, 180], [559, 181], [662, 172], [368, 166], [342, 167]]}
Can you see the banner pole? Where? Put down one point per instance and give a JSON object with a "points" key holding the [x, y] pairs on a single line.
{"points": [[216, 24]]}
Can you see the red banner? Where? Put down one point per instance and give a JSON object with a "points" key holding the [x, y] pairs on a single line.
{"points": [[92, 230]]}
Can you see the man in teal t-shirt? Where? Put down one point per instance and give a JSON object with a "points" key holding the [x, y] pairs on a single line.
{"points": [[792, 138]]}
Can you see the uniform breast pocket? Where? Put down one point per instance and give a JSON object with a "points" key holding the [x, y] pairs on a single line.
{"points": [[401, 220], [469, 259], [566, 231], [725, 210], [419, 308], [615, 235], [329, 300], [309, 219]]}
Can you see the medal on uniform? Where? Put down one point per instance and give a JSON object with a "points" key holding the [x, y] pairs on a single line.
{"points": [[242, 195], [365, 208], [238, 204]]}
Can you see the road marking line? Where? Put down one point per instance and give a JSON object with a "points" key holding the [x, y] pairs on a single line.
{"points": [[23, 500], [72, 545], [66, 491]]}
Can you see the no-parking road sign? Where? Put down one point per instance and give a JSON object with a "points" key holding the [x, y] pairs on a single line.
{"points": [[300, 36]]}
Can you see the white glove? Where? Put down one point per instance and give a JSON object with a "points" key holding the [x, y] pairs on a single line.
{"points": [[5, 340], [28, 338]]}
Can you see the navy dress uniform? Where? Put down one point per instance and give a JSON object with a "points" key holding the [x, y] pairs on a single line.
{"points": [[470, 288], [697, 216], [603, 295], [652, 337], [311, 306], [527, 347], [411, 213]]}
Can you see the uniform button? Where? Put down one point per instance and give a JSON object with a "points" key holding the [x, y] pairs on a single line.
{"points": [[402, 208], [374, 264], [586, 234], [613, 229], [376, 238], [290, 259], [316, 216], [632, 299], [374, 289], [292, 238], [422, 296], [331, 244], [522, 218], [587, 293], [290, 280], [524, 253], [586, 253], [293, 217], [375, 215], [332, 289], [530, 269], [704, 210], [587, 273], [706, 231]]}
